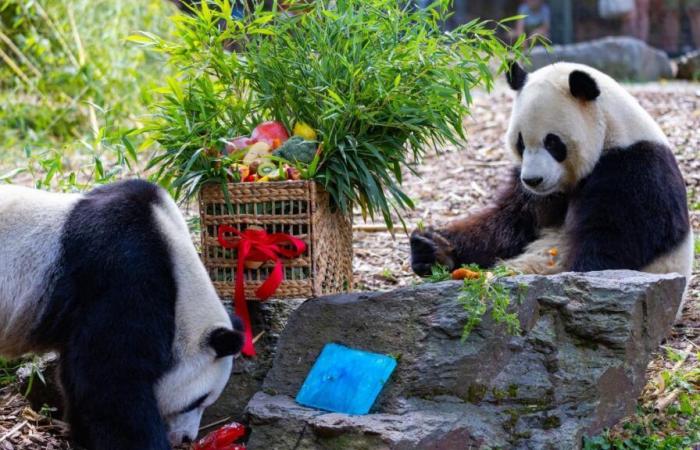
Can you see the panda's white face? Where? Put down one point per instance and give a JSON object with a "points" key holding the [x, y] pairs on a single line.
{"points": [[542, 170], [205, 336], [188, 389], [556, 137]]}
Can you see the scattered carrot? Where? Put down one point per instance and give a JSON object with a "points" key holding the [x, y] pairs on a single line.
{"points": [[462, 274], [553, 252]]}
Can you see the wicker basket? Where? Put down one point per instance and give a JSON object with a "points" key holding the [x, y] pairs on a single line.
{"points": [[299, 208]]}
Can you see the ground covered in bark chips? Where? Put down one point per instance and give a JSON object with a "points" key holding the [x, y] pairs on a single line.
{"points": [[458, 181]]}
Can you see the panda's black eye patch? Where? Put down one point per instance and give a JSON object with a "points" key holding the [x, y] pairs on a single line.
{"points": [[555, 147], [520, 146], [194, 405]]}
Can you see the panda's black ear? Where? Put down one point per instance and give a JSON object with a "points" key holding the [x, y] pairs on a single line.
{"points": [[225, 342], [583, 86], [516, 76]]}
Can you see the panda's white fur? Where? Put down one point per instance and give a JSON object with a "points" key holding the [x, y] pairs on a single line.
{"points": [[595, 179], [32, 227], [30, 223], [201, 373]]}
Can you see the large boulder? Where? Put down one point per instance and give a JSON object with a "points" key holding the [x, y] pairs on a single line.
{"points": [[578, 366], [623, 58]]}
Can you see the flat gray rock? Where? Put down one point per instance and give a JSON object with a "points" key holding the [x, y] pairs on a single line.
{"points": [[577, 368], [623, 58]]}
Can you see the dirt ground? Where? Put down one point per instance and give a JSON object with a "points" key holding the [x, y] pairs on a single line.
{"points": [[447, 186]]}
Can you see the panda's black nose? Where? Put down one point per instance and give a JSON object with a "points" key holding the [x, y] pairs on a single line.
{"points": [[186, 440], [533, 182]]}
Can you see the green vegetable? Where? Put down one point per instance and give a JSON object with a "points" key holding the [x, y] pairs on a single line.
{"points": [[296, 149]]}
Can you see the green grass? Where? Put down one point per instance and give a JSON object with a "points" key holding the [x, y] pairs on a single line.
{"points": [[676, 427], [71, 86]]}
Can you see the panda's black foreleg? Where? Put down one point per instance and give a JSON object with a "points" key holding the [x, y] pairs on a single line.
{"points": [[500, 231], [110, 401]]}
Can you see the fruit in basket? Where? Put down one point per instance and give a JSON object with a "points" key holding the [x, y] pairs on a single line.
{"points": [[257, 152], [304, 130], [269, 170], [273, 133], [293, 173], [297, 149], [238, 143], [242, 169]]}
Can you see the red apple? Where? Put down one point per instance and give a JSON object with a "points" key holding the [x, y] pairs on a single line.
{"points": [[238, 143], [270, 132]]}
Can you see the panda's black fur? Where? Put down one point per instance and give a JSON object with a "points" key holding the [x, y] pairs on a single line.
{"points": [[113, 289], [615, 207], [631, 209]]}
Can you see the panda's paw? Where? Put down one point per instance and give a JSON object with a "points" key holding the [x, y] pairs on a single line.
{"points": [[429, 248]]}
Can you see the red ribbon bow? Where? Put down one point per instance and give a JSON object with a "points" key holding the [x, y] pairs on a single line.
{"points": [[258, 245]]}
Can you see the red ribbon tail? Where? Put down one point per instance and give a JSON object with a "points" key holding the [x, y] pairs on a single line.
{"points": [[273, 281], [241, 304]]}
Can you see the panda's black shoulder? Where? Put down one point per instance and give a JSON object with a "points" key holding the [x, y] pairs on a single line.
{"points": [[632, 208], [111, 245]]}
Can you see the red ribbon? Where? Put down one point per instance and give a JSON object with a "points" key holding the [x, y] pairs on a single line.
{"points": [[258, 245]]}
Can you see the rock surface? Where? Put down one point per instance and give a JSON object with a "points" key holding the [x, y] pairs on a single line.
{"points": [[578, 366], [623, 58]]}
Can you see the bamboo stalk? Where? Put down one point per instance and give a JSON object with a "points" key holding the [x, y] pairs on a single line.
{"points": [[20, 55], [213, 424], [44, 15], [665, 402]]}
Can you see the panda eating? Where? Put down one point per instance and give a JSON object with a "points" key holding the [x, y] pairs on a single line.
{"points": [[111, 280], [596, 180]]}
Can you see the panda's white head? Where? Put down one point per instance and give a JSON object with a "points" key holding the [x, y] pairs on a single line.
{"points": [[196, 381], [556, 128], [564, 116], [205, 336]]}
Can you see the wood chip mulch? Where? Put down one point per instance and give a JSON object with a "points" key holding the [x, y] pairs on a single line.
{"points": [[23, 428]]}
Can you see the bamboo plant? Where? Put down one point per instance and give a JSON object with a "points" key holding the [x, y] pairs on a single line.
{"points": [[380, 81]]}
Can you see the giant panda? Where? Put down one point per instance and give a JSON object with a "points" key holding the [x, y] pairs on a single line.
{"points": [[595, 178], [110, 279]]}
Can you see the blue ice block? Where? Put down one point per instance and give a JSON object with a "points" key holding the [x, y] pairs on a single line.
{"points": [[345, 380]]}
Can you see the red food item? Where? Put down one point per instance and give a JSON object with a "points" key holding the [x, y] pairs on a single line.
{"points": [[269, 132], [223, 439], [238, 143], [250, 178]]}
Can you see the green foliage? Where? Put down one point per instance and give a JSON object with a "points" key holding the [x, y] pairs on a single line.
{"points": [[676, 427], [481, 293], [8, 371], [71, 88], [478, 295], [439, 273], [379, 81]]}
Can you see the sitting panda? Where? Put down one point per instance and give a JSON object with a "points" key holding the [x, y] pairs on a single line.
{"points": [[596, 179], [111, 280]]}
